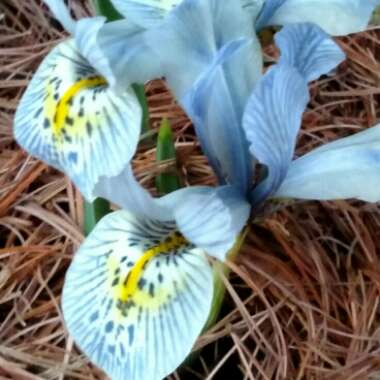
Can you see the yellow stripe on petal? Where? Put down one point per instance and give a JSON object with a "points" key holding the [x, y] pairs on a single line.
{"points": [[64, 104], [71, 119], [129, 287], [136, 297]]}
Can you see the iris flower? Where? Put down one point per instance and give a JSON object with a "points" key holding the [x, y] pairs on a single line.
{"points": [[139, 289], [336, 17], [74, 115], [237, 131]]}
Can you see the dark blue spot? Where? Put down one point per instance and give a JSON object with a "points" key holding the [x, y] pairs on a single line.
{"points": [[109, 326], [151, 289], [88, 126], [131, 332], [94, 316], [122, 350], [46, 122], [73, 157], [141, 283], [69, 121]]}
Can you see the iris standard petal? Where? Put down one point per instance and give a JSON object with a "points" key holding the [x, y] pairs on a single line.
{"points": [[308, 48], [130, 58], [62, 14], [272, 120], [336, 17], [216, 109], [192, 36], [254, 7], [273, 115], [268, 9], [346, 168], [200, 35], [137, 296], [149, 13], [69, 118]]}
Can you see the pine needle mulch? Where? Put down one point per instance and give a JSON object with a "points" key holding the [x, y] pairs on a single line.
{"points": [[303, 298]]}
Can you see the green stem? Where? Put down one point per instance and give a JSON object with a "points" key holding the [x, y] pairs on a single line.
{"points": [[105, 8], [219, 288], [93, 212], [376, 17], [140, 93], [166, 182]]}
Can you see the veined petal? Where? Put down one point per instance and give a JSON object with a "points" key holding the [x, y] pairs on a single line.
{"points": [[213, 220], [210, 218], [62, 14], [86, 39], [126, 192], [148, 13], [346, 168], [308, 48], [268, 9], [69, 118], [130, 58], [273, 115], [203, 36], [192, 36], [254, 7], [136, 297], [216, 104], [86, 34], [336, 17], [272, 120]]}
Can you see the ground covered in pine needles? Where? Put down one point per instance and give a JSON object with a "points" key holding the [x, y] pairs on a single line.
{"points": [[303, 298]]}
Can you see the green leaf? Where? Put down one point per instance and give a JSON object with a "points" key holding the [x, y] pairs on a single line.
{"points": [[219, 288], [93, 212], [376, 17], [105, 8], [140, 93], [166, 182]]}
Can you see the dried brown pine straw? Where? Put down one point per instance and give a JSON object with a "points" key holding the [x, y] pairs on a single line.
{"points": [[304, 295]]}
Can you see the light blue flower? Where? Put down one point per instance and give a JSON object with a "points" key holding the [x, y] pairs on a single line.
{"points": [[186, 39], [74, 114], [149, 13], [272, 119], [221, 108], [334, 171], [140, 288], [336, 17]]}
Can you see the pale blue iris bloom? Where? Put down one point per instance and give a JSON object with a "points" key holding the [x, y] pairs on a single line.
{"points": [[74, 115], [209, 55], [139, 289], [336, 17]]}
